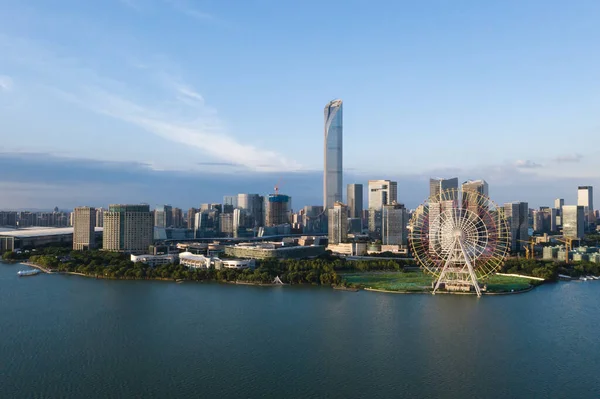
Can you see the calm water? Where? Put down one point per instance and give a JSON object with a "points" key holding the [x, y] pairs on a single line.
{"points": [[68, 336]]}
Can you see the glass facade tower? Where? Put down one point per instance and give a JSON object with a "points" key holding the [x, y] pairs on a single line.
{"points": [[332, 178]]}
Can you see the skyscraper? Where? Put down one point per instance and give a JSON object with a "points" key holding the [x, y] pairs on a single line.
{"points": [[573, 221], [253, 204], [84, 223], [517, 217], [332, 178], [163, 216], [436, 186], [191, 218], [100, 217], [127, 228], [381, 192], [475, 203], [354, 196], [394, 219], [278, 209], [177, 218], [338, 223], [585, 198]]}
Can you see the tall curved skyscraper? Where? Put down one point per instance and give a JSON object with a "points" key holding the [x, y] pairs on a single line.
{"points": [[332, 179]]}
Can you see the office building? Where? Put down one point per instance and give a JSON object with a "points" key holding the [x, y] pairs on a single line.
{"points": [[278, 208], [100, 217], [332, 177], [473, 202], [338, 223], [128, 228], [231, 200], [191, 217], [394, 220], [177, 218], [585, 198], [436, 186], [84, 224], [517, 218], [573, 221], [382, 192], [314, 219], [163, 216], [253, 204], [226, 224], [8, 219], [354, 197]]}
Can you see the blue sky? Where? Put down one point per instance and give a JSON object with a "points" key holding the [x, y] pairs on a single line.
{"points": [[232, 92]]}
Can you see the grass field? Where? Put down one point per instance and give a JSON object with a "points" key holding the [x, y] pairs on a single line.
{"points": [[410, 281], [418, 281]]}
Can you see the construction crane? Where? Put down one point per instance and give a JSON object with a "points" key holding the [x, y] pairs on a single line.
{"points": [[277, 186], [568, 241], [529, 248]]}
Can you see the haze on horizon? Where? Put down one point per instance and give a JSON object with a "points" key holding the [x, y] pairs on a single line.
{"points": [[182, 102]]}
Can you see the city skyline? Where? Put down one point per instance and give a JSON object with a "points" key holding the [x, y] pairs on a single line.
{"points": [[180, 113]]}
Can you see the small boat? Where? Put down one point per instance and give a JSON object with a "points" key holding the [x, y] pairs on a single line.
{"points": [[30, 272], [583, 278], [596, 277]]}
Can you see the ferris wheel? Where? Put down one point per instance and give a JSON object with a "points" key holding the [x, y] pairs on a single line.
{"points": [[459, 238]]}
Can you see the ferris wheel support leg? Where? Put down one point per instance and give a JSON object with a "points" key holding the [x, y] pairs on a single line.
{"points": [[471, 270], [442, 275]]}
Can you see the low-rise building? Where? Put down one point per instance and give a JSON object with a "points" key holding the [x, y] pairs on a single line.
{"points": [[194, 261], [350, 248], [155, 260], [264, 250]]}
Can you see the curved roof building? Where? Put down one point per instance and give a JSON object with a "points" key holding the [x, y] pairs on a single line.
{"points": [[332, 178]]}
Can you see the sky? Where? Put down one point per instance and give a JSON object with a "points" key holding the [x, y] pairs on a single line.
{"points": [[182, 102]]}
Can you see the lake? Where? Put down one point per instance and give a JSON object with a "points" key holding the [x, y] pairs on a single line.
{"points": [[69, 336]]}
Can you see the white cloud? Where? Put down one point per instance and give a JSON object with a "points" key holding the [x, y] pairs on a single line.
{"points": [[6, 83], [167, 106], [569, 158], [184, 7], [527, 164]]}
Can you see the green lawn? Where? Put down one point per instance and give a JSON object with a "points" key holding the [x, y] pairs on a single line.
{"points": [[418, 281], [400, 281], [497, 283]]}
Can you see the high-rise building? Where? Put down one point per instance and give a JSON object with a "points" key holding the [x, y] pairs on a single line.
{"points": [[163, 216], [191, 218], [475, 203], [231, 200], [332, 178], [338, 223], [278, 208], [177, 218], [573, 221], [585, 198], [127, 228], [314, 219], [559, 203], [226, 224], [100, 217], [382, 192], [517, 217], [354, 197], [394, 219], [436, 186], [253, 204], [84, 224], [8, 218]]}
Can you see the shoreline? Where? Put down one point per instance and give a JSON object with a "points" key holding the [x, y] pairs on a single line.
{"points": [[258, 284]]}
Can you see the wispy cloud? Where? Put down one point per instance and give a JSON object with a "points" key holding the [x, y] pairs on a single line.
{"points": [[186, 8], [6, 83], [527, 164], [571, 158], [167, 106]]}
